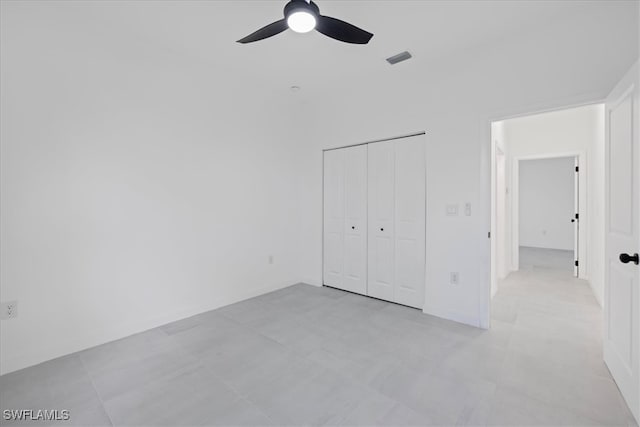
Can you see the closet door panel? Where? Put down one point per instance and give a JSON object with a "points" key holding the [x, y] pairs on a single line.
{"points": [[355, 224], [381, 220], [334, 208], [410, 221]]}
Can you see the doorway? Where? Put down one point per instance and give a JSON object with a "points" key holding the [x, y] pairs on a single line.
{"points": [[571, 223], [546, 212]]}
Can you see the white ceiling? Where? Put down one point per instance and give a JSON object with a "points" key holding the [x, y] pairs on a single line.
{"points": [[206, 31]]}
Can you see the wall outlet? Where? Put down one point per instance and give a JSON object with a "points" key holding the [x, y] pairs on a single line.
{"points": [[9, 309], [454, 278], [270, 259], [452, 210]]}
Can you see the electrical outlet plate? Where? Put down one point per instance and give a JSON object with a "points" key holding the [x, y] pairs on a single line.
{"points": [[9, 309]]}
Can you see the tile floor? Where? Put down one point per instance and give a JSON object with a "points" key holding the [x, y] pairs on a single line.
{"points": [[318, 356], [549, 259]]}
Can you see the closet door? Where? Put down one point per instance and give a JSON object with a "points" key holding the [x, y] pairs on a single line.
{"points": [[355, 241], [333, 256], [410, 219], [381, 220], [355, 225], [396, 270], [345, 219]]}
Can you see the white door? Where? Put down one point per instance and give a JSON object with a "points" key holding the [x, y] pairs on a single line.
{"points": [[576, 219], [397, 221], [622, 219], [381, 220], [333, 256], [410, 221], [355, 224]]}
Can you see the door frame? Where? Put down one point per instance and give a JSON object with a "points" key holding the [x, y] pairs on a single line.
{"points": [[488, 183], [582, 201]]}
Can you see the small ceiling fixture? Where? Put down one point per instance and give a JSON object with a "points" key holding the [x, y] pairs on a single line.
{"points": [[303, 16], [295, 88]]}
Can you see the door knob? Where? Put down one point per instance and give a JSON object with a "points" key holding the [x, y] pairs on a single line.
{"points": [[573, 220], [353, 228], [626, 258], [382, 229]]}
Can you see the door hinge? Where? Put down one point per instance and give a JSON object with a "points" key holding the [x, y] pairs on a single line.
{"points": [[489, 234], [577, 168], [576, 263], [577, 216]]}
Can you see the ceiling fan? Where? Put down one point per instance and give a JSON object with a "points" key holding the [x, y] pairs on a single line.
{"points": [[303, 16]]}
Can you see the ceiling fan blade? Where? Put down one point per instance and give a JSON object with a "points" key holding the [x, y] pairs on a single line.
{"points": [[343, 31], [266, 32]]}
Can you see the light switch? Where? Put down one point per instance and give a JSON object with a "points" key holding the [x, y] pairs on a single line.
{"points": [[452, 210], [467, 209]]}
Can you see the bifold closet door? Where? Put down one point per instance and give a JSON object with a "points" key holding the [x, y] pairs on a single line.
{"points": [[345, 219], [381, 220], [396, 266], [410, 221], [355, 233]]}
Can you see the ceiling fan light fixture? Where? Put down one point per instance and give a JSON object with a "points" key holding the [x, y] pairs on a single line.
{"points": [[303, 16], [301, 21]]}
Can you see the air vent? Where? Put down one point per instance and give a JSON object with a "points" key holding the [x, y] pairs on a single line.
{"points": [[399, 58]]}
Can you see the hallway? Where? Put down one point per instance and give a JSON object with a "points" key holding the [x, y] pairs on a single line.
{"points": [[553, 373]]}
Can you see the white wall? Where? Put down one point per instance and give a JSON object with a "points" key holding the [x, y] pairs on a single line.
{"points": [[136, 189], [455, 102], [595, 207], [546, 190], [573, 130]]}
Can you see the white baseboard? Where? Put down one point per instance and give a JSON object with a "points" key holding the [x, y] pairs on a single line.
{"points": [[310, 281], [453, 316]]}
